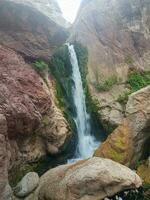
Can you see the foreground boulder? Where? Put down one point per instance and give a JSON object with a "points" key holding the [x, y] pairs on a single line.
{"points": [[27, 185], [92, 179], [130, 141]]}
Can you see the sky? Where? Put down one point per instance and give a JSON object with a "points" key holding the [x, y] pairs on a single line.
{"points": [[69, 8]]}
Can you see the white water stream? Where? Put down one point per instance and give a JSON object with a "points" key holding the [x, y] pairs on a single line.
{"points": [[86, 143]]}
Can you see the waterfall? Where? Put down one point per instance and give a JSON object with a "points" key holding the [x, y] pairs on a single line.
{"points": [[86, 143]]}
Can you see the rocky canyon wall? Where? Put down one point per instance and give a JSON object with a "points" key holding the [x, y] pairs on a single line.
{"points": [[28, 28], [117, 35], [31, 124]]}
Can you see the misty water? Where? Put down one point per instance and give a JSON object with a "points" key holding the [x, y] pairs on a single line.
{"points": [[86, 142]]}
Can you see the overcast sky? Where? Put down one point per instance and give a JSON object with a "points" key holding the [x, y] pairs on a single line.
{"points": [[69, 8]]}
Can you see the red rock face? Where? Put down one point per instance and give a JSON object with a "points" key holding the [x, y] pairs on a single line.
{"points": [[35, 126], [22, 98], [30, 123]]}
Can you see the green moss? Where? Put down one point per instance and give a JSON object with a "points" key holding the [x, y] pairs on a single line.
{"points": [[106, 85], [118, 157], [137, 164]]}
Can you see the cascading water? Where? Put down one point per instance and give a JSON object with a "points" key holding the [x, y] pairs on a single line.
{"points": [[87, 143]]}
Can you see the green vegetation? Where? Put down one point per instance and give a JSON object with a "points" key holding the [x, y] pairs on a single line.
{"points": [[123, 98], [137, 164], [61, 69], [42, 68], [82, 56], [138, 80], [94, 105], [109, 128], [106, 85]]}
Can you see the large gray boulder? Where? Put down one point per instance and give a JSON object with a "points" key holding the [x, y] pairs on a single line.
{"points": [[92, 179]]}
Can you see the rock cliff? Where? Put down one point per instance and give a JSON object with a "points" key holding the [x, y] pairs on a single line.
{"points": [[29, 29], [130, 141], [34, 124], [31, 124], [117, 35]]}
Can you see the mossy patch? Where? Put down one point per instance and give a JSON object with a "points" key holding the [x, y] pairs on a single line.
{"points": [[144, 172], [116, 147], [123, 98], [118, 157]]}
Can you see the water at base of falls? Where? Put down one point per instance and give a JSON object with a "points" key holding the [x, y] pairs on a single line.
{"points": [[87, 143]]}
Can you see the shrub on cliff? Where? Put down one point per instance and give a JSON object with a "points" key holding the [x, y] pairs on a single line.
{"points": [[106, 85], [138, 80], [42, 68]]}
